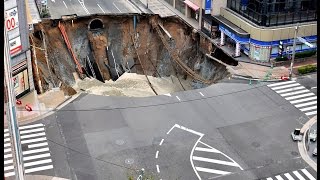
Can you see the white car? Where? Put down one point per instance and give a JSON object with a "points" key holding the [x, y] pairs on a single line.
{"points": [[313, 135], [296, 136]]}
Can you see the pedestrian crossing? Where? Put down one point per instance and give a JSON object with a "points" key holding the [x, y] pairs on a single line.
{"points": [[297, 95], [35, 150], [210, 162], [301, 174]]}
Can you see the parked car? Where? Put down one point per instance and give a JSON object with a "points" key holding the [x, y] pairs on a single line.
{"points": [[313, 135], [296, 136], [315, 151]]}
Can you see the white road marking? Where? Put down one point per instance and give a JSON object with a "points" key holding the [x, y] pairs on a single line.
{"points": [[207, 150], [33, 135], [303, 100], [8, 161], [168, 94], [32, 131], [280, 83], [269, 178], [8, 168], [306, 104], [286, 86], [279, 177], [101, 8], [45, 161], [288, 176], [7, 150], [215, 161], [6, 139], [36, 157], [178, 98], [299, 96], [201, 93], [65, 4], [311, 113], [214, 171], [35, 151], [157, 153], [9, 174], [6, 134], [158, 170], [38, 145], [116, 7], [6, 130], [298, 175], [38, 169], [33, 140], [83, 6], [7, 156], [290, 89], [308, 174], [309, 108], [6, 144], [31, 126], [294, 93], [313, 88], [161, 142]]}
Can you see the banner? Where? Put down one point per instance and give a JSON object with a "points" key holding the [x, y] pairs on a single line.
{"points": [[207, 7]]}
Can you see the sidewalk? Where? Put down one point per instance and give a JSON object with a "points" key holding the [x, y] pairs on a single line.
{"points": [[42, 177]]}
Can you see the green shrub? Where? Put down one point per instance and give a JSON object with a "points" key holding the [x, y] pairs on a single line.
{"points": [[305, 54], [284, 58], [307, 69]]}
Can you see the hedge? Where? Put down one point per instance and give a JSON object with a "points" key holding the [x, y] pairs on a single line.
{"points": [[307, 69], [284, 58], [305, 54]]}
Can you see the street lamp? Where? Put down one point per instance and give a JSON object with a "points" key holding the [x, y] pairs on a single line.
{"points": [[293, 50]]}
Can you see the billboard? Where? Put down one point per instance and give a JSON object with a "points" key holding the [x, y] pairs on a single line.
{"points": [[11, 19], [207, 7]]}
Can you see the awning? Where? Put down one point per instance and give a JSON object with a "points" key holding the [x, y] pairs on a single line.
{"points": [[191, 5]]}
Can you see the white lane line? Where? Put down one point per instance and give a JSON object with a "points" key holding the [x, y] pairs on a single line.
{"points": [[308, 174], [290, 89], [158, 170], [65, 4], [212, 171], [303, 100], [36, 157], [279, 177], [35, 151], [45, 161], [298, 175], [207, 150], [8, 161], [38, 169], [8, 174], [8, 168], [178, 98], [31, 126], [215, 161], [311, 113], [286, 86], [306, 104], [33, 140], [116, 7], [101, 8], [288, 176], [38, 145], [299, 96], [33, 135], [309, 108], [280, 83], [32, 131], [6, 134], [168, 94], [313, 88], [7, 156], [7, 150], [161, 142], [269, 178], [6, 139], [157, 153], [294, 93], [201, 93], [6, 144]]}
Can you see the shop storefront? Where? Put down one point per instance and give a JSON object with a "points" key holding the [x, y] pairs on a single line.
{"points": [[20, 77], [192, 10]]}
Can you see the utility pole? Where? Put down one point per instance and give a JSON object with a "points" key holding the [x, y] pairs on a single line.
{"points": [[147, 4], [12, 121], [200, 14], [293, 50]]}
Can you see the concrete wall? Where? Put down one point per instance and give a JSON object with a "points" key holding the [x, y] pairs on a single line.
{"points": [[216, 5], [269, 33]]}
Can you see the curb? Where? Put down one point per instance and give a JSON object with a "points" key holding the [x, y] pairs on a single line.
{"points": [[236, 76]]}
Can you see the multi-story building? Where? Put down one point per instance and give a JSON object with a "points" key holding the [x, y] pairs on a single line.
{"points": [[17, 28]]}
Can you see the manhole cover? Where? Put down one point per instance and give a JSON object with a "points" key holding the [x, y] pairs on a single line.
{"points": [[129, 161], [294, 153], [119, 142], [255, 144]]}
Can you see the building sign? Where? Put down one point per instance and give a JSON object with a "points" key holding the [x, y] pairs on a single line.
{"points": [[233, 36], [207, 7], [15, 46], [20, 82], [11, 19]]}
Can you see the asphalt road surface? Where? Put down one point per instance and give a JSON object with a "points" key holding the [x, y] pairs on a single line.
{"points": [[228, 131]]}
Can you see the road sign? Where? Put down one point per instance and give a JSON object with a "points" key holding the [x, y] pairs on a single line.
{"points": [[305, 42]]}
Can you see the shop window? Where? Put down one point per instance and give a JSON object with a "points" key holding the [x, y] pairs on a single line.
{"points": [[180, 5]]}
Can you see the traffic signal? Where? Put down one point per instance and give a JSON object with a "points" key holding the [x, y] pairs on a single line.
{"points": [[281, 48]]}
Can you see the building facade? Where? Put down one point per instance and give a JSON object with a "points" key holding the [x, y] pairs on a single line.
{"points": [[17, 28]]}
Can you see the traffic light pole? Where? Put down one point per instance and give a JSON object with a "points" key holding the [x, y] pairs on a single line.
{"points": [[12, 121], [293, 50]]}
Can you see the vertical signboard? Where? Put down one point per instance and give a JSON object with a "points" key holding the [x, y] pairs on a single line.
{"points": [[15, 46], [11, 19], [208, 7]]}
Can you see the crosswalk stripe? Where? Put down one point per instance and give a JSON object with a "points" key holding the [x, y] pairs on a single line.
{"points": [[37, 145], [8, 174], [7, 150], [309, 108], [45, 161], [8, 161], [36, 157], [31, 131], [212, 171], [287, 86], [280, 83], [207, 150], [6, 130], [279, 177], [33, 140], [290, 89], [303, 100], [35, 151], [298, 175], [6, 134], [306, 104], [31, 126], [33, 135], [269, 178], [7, 155], [306, 172], [311, 113], [299, 96], [6, 139], [6, 144], [38, 169], [288, 176], [294, 93], [214, 161], [8, 168]]}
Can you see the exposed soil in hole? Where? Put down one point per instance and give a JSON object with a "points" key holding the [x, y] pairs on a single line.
{"points": [[110, 50]]}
